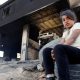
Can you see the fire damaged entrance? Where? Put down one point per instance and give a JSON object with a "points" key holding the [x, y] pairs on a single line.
{"points": [[11, 39]]}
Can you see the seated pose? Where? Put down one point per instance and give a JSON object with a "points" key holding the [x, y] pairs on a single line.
{"points": [[68, 51], [49, 45]]}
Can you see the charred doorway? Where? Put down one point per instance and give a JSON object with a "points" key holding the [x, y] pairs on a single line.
{"points": [[11, 36]]}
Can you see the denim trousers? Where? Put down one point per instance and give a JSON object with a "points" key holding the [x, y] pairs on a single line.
{"points": [[65, 55], [48, 61]]}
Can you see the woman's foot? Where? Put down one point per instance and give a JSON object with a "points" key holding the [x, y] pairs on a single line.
{"points": [[50, 78], [42, 76]]}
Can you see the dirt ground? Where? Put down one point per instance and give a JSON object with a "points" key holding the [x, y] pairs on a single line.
{"points": [[16, 70]]}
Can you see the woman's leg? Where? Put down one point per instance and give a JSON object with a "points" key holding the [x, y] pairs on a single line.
{"points": [[51, 44], [63, 55], [48, 61]]}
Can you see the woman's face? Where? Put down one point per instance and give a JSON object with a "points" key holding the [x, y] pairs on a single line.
{"points": [[67, 22]]}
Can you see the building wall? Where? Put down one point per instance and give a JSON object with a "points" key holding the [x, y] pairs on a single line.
{"points": [[15, 9]]}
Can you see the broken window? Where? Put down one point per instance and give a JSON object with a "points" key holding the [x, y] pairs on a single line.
{"points": [[6, 11]]}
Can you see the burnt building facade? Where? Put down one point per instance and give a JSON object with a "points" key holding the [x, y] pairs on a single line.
{"points": [[21, 21]]}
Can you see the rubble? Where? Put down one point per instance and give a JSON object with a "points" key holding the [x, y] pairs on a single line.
{"points": [[16, 70]]}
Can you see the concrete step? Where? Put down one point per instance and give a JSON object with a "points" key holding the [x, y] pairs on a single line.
{"points": [[74, 72]]}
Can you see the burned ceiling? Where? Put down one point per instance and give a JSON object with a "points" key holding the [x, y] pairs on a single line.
{"points": [[46, 19]]}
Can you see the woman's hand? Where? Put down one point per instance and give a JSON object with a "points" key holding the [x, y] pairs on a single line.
{"points": [[52, 55]]}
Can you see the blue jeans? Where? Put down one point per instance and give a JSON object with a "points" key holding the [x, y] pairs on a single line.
{"points": [[65, 55], [48, 61]]}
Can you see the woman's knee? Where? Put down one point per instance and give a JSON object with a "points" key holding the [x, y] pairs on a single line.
{"points": [[59, 47], [47, 51]]}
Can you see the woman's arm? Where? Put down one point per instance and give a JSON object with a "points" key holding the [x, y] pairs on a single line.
{"points": [[73, 37], [62, 41]]}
